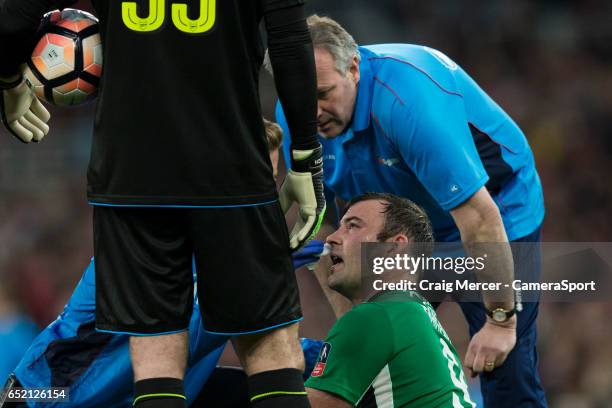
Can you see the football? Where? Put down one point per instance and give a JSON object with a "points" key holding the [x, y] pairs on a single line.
{"points": [[66, 64]]}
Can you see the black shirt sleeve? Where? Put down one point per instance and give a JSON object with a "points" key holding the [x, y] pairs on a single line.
{"points": [[292, 58], [19, 20]]}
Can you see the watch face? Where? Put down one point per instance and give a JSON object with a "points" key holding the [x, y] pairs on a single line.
{"points": [[499, 315]]}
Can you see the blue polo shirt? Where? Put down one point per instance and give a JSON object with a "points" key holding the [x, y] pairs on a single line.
{"points": [[424, 130]]}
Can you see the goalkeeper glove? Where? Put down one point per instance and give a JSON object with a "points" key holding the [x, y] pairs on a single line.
{"points": [[21, 111], [304, 185]]}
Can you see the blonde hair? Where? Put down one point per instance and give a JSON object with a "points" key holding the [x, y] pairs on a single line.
{"points": [[274, 134]]}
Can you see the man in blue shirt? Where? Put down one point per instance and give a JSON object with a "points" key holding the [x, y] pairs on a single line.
{"points": [[407, 120]]}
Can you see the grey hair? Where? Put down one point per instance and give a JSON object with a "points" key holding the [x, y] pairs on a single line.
{"points": [[327, 34]]}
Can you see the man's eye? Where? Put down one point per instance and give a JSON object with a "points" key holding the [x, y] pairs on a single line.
{"points": [[324, 93]]}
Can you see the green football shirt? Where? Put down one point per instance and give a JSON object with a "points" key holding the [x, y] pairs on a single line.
{"points": [[391, 352]]}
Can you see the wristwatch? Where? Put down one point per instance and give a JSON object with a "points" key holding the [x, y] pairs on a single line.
{"points": [[500, 315]]}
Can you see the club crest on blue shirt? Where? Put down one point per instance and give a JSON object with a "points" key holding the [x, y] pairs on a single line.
{"points": [[387, 162]]}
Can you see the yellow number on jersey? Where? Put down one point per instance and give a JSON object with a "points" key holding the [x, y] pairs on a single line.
{"points": [[203, 23], [155, 19], [157, 14]]}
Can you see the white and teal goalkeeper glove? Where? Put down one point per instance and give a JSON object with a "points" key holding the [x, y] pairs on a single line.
{"points": [[21, 111], [304, 185]]}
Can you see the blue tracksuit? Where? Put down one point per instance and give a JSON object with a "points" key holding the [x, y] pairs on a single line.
{"points": [[96, 366]]}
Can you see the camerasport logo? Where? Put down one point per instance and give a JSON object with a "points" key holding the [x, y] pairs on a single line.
{"points": [[319, 368]]}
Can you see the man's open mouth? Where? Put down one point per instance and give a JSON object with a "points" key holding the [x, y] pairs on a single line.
{"points": [[336, 260]]}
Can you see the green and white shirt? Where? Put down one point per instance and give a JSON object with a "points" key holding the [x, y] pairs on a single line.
{"points": [[391, 352]]}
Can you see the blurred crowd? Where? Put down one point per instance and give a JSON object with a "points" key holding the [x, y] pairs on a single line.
{"points": [[547, 63]]}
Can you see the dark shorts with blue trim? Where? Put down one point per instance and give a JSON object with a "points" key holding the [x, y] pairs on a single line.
{"points": [[145, 258]]}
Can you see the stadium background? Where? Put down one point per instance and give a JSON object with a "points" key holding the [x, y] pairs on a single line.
{"points": [[548, 63]]}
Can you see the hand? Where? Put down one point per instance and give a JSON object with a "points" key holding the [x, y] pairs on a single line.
{"points": [[489, 347], [304, 185], [21, 111]]}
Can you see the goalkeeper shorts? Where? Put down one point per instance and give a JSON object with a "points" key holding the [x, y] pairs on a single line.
{"points": [[144, 257]]}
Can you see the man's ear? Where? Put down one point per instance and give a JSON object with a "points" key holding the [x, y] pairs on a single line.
{"points": [[399, 244], [399, 238], [354, 71]]}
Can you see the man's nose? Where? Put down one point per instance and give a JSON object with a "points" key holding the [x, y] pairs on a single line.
{"points": [[319, 111], [334, 238]]}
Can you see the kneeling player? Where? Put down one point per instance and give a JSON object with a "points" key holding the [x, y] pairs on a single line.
{"points": [[389, 349]]}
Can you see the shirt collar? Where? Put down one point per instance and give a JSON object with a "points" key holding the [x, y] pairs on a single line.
{"points": [[363, 101]]}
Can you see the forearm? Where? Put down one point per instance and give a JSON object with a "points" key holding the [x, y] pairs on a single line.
{"points": [[487, 238], [292, 58], [10, 81]]}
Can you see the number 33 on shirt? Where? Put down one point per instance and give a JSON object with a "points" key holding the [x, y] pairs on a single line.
{"points": [[157, 15]]}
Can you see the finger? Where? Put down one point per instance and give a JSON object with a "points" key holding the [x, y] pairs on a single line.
{"points": [[470, 372], [283, 198], [489, 364], [36, 121], [22, 133], [40, 111], [478, 366], [294, 242], [37, 134], [307, 228], [468, 361]]}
